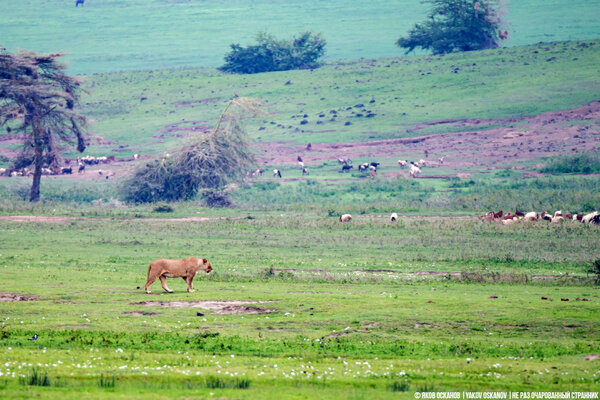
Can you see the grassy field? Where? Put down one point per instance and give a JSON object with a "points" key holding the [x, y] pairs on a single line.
{"points": [[357, 322], [157, 34]]}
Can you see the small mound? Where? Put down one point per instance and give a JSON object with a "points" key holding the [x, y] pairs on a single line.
{"points": [[15, 297], [218, 307]]}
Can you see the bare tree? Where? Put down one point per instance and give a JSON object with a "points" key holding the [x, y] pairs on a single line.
{"points": [[38, 98]]}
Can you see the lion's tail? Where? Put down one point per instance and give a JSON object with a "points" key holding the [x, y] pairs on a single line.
{"points": [[149, 268]]}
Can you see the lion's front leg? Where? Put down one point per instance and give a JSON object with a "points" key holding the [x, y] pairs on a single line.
{"points": [[163, 282], [190, 287]]}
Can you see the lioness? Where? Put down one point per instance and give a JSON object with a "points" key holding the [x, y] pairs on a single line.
{"points": [[186, 269]]}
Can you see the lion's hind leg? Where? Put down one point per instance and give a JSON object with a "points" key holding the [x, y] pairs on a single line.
{"points": [[163, 282], [152, 276]]}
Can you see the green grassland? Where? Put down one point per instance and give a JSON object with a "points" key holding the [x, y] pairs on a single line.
{"points": [[333, 330], [149, 111], [113, 35]]}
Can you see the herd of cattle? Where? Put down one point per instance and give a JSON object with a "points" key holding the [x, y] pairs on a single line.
{"points": [[347, 166], [510, 218], [558, 216], [78, 165]]}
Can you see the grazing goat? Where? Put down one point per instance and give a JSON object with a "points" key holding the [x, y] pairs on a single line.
{"points": [[81, 168], [372, 168], [277, 172], [305, 171], [531, 216], [299, 159], [300, 164], [394, 217], [346, 168], [375, 164], [345, 218], [414, 171], [402, 163], [586, 219], [66, 170], [363, 167]]}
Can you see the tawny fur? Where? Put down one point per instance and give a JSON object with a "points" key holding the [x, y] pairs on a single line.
{"points": [[186, 269]]}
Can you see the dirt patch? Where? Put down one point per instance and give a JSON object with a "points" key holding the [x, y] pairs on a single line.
{"points": [[58, 220], [15, 297], [519, 139], [218, 307], [372, 325], [309, 291], [139, 313], [338, 334]]}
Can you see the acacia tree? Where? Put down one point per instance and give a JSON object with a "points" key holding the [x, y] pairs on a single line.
{"points": [[206, 164], [38, 99], [457, 25]]}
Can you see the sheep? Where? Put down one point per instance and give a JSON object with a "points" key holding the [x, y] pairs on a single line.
{"points": [[341, 161], [299, 159], [2, 171], [531, 216], [508, 221], [441, 160], [305, 171], [393, 217], [363, 167], [375, 164], [420, 163], [414, 171], [277, 172], [100, 172], [586, 219], [345, 218], [372, 168], [66, 170], [346, 168], [300, 164], [519, 213], [81, 168], [136, 156], [557, 218], [402, 163], [257, 172], [545, 216]]}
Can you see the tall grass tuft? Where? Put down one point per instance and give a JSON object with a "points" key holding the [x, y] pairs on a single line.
{"points": [[214, 382], [35, 378], [106, 382]]}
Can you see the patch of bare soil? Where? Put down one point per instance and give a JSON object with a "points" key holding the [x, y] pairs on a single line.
{"points": [[139, 313], [520, 139], [15, 297], [372, 325], [338, 334], [218, 307], [309, 291], [53, 219]]}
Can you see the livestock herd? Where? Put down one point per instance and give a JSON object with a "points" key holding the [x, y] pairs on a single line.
{"points": [[558, 216], [347, 166], [510, 218]]}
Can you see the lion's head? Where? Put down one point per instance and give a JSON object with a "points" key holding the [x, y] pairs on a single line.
{"points": [[207, 265]]}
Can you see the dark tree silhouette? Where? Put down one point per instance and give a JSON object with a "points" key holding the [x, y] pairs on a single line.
{"points": [[457, 25], [38, 99]]}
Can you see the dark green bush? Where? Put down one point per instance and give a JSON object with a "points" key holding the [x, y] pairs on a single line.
{"points": [[583, 163], [271, 54], [456, 25], [163, 207]]}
